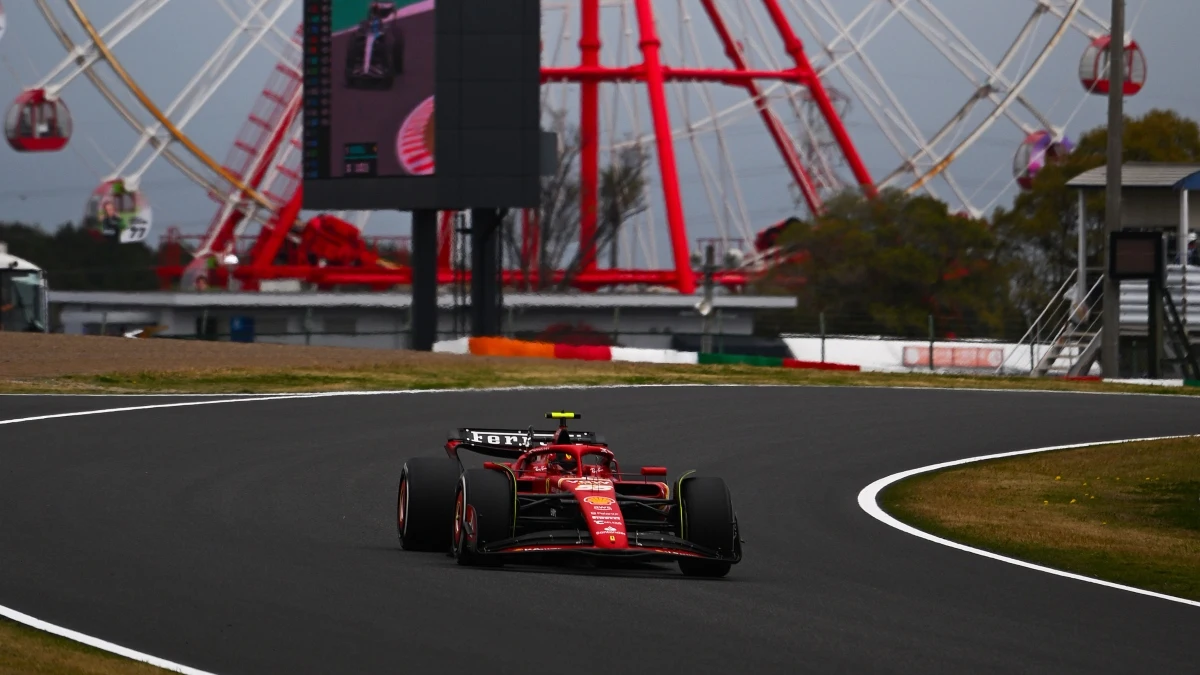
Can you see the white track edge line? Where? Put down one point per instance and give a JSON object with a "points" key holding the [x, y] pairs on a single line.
{"points": [[868, 500]]}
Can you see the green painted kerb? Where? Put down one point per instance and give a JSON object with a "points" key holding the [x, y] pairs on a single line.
{"points": [[740, 360]]}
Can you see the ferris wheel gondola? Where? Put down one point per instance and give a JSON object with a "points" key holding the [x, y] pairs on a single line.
{"points": [[118, 211], [37, 122], [1095, 71], [1039, 150]]}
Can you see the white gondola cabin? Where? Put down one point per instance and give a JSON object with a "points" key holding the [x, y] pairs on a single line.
{"points": [[1037, 151]]}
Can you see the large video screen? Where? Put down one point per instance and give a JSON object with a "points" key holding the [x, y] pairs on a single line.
{"points": [[369, 88], [371, 73]]}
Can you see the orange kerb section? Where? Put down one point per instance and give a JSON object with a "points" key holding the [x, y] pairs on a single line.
{"points": [[507, 347]]}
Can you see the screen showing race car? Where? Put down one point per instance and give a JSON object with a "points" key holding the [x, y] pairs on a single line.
{"points": [[369, 88]]}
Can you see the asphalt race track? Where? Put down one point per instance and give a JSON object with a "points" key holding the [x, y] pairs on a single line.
{"points": [[259, 537]]}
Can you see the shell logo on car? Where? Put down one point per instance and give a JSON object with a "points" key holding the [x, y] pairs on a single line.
{"points": [[600, 501]]}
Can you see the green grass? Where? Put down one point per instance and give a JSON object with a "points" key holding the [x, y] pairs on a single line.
{"points": [[25, 651], [1126, 513]]}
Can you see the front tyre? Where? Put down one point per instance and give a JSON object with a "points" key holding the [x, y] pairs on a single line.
{"points": [[484, 511], [708, 520], [425, 502]]}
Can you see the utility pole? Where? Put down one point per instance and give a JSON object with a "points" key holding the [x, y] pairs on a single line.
{"points": [[1110, 331]]}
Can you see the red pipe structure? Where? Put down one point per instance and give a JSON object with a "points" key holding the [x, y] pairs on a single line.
{"points": [[330, 252], [774, 125], [685, 281], [796, 49], [589, 128]]}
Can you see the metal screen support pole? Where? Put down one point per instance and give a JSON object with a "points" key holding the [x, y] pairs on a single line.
{"points": [[424, 280], [1110, 338], [485, 273]]}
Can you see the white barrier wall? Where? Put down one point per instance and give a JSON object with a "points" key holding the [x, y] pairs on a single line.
{"points": [[903, 356], [654, 356]]}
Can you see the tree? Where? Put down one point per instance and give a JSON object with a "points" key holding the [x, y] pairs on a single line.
{"points": [[621, 196], [890, 263], [76, 260], [1040, 229]]}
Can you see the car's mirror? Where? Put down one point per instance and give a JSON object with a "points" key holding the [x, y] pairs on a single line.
{"points": [[654, 470]]}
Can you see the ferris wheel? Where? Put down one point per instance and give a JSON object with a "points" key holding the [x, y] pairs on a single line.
{"points": [[743, 109]]}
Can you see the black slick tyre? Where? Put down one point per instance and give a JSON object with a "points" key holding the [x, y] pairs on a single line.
{"points": [[483, 513], [425, 502], [708, 520]]}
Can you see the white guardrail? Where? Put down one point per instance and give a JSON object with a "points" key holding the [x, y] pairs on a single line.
{"points": [[881, 354]]}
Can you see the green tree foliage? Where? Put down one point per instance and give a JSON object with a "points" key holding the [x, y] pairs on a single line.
{"points": [[1040, 229], [76, 260], [887, 265]]}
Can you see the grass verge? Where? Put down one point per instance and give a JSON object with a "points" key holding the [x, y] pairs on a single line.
{"points": [[476, 372], [24, 650], [1127, 513]]}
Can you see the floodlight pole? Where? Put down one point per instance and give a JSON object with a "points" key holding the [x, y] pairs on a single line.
{"points": [[710, 267], [1110, 331]]}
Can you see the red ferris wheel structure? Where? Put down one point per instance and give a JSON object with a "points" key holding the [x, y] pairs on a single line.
{"points": [[613, 66], [330, 237]]}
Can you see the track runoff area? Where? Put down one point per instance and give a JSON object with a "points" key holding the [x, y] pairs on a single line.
{"points": [[275, 548]]}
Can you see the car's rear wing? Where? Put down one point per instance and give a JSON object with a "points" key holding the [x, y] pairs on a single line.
{"points": [[518, 439], [508, 443]]}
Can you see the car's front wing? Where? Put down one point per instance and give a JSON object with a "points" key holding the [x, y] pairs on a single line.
{"points": [[641, 547]]}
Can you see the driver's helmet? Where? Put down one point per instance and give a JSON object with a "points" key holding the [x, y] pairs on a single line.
{"points": [[566, 462], [379, 10]]}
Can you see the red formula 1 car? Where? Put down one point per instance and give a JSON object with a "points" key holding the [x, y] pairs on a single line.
{"points": [[561, 493]]}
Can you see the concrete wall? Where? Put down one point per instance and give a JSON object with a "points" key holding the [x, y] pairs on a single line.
{"points": [[385, 328]]}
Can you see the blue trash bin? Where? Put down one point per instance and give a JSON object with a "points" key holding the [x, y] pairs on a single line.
{"points": [[241, 329]]}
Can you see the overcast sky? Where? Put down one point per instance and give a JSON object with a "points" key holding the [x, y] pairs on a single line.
{"points": [[168, 50]]}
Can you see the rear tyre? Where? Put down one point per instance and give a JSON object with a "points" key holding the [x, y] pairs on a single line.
{"points": [[483, 513], [425, 502], [709, 521]]}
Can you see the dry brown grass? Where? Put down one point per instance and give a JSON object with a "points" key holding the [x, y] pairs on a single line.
{"points": [[1128, 513], [24, 651], [77, 364]]}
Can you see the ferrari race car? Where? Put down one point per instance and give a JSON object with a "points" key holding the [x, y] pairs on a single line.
{"points": [[375, 55], [561, 493]]}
